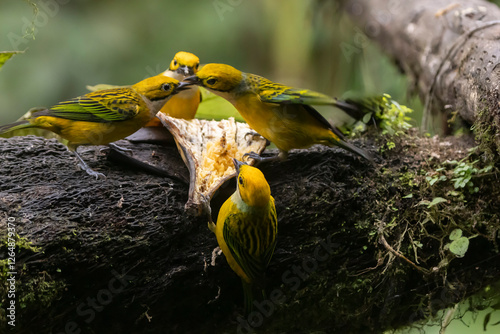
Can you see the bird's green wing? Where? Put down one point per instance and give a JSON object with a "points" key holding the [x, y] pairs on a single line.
{"points": [[101, 106], [313, 112], [273, 231], [104, 86], [275, 93], [239, 242]]}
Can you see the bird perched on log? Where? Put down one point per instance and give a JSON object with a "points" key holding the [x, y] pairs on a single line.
{"points": [[104, 116], [279, 113], [246, 229]]}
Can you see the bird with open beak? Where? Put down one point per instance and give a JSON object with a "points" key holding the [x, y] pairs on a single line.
{"points": [[184, 104]]}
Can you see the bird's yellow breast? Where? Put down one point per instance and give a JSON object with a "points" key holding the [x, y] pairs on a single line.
{"points": [[92, 133], [184, 104], [253, 229], [229, 208], [288, 126]]}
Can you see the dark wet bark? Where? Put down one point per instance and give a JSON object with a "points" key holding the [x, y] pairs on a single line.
{"points": [[122, 256]]}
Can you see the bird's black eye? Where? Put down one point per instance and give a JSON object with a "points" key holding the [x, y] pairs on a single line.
{"points": [[240, 180], [197, 65], [211, 81], [165, 87], [175, 62]]}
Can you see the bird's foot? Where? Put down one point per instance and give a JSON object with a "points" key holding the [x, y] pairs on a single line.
{"points": [[87, 169], [92, 172], [119, 148], [258, 159], [254, 135]]}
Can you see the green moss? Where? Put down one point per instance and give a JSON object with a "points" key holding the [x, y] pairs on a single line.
{"points": [[21, 244], [408, 178], [35, 293], [40, 292], [486, 134], [24, 243]]}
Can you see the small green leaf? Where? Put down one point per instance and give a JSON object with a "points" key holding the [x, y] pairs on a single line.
{"points": [[436, 201], [6, 55], [408, 196], [455, 234], [367, 117], [453, 193], [459, 247]]}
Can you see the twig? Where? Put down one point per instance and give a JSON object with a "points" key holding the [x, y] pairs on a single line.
{"points": [[401, 256]]}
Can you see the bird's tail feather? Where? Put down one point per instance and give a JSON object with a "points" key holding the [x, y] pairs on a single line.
{"points": [[24, 124], [247, 296], [357, 108], [251, 293], [351, 148]]}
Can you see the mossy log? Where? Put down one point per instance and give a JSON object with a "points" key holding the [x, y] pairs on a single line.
{"points": [[449, 49], [360, 247]]}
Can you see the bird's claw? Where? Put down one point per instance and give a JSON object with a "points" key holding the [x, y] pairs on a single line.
{"points": [[119, 148], [92, 172], [258, 159], [253, 155], [255, 135]]}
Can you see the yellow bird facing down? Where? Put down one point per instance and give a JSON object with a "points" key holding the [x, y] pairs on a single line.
{"points": [[102, 117], [279, 113], [246, 229]]}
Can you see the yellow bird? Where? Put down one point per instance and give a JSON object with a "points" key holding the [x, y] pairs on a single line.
{"points": [[279, 113], [184, 104], [246, 229], [102, 117]]}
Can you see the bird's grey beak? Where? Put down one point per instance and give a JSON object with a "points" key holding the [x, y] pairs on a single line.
{"points": [[182, 86], [192, 80], [237, 165], [185, 70]]}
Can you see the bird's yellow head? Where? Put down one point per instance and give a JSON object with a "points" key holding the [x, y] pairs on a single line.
{"points": [[217, 77], [252, 185], [159, 89], [185, 63]]}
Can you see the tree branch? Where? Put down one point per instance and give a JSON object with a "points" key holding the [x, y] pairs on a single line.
{"points": [[450, 50], [122, 255]]}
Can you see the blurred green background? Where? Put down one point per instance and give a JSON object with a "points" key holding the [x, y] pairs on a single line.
{"points": [[305, 43]]}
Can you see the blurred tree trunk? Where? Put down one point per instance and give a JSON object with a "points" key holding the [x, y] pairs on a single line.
{"points": [[449, 49], [290, 36]]}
